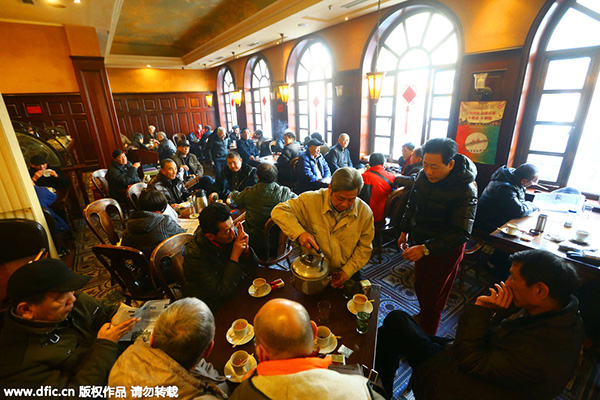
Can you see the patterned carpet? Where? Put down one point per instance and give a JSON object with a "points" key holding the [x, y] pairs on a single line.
{"points": [[395, 275]]}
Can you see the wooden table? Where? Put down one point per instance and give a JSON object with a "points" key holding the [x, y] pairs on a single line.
{"points": [[342, 322], [272, 159], [554, 227]]}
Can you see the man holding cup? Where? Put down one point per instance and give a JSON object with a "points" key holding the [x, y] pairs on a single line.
{"points": [[218, 258], [285, 338]]}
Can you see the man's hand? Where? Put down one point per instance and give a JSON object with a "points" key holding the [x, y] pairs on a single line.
{"points": [[137, 164], [38, 174], [308, 241], [52, 173], [403, 241], [185, 168], [240, 244], [413, 253], [339, 278], [500, 298], [116, 332]]}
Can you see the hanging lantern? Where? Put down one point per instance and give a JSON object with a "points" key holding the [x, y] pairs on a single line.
{"points": [[237, 97], [208, 98], [284, 91], [375, 79]]}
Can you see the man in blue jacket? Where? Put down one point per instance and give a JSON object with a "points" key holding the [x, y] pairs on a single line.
{"points": [[311, 168]]}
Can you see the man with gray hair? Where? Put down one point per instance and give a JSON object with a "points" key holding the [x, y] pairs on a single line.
{"points": [[284, 345], [166, 147], [175, 355], [334, 221], [339, 155]]}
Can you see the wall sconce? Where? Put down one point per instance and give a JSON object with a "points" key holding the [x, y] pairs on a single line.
{"points": [[483, 92], [375, 79], [284, 92], [237, 97], [209, 99], [339, 90]]}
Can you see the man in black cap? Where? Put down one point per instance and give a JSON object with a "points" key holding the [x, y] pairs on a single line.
{"points": [[42, 175], [121, 173], [189, 167], [51, 335], [312, 167]]}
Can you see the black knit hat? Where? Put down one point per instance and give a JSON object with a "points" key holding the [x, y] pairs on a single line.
{"points": [[116, 153], [45, 275], [38, 159]]}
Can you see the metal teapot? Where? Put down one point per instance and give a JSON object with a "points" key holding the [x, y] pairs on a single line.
{"points": [[201, 200], [310, 273]]}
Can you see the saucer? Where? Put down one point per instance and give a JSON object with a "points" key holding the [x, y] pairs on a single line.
{"points": [[232, 376], [504, 230], [233, 340], [333, 342], [581, 243], [193, 216], [351, 308], [252, 290]]}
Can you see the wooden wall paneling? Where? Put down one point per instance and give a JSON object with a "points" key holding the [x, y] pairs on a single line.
{"points": [[506, 70], [169, 124], [346, 113], [165, 104], [125, 130], [137, 124], [183, 123], [180, 103], [209, 119], [153, 120]]}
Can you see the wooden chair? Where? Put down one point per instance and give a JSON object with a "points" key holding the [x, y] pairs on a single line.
{"points": [[393, 211], [99, 209], [134, 191], [128, 267], [177, 137], [20, 238], [169, 249], [284, 246], [100, 182]]}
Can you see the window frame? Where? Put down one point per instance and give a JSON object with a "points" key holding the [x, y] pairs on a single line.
{"points": [[229, 111], [253, 65]]}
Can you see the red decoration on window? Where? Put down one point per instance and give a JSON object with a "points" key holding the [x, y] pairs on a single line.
{"points": [[264, 101], [409, 94], [33, 110], [316, 102]]}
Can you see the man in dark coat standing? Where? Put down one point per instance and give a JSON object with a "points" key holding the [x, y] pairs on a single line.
{"points": [[121, 173], [246, 147], [291, 150], [522, 341], [437, 224]]}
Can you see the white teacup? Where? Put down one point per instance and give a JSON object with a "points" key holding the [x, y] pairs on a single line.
{"points": [[239, 361], [323, 337], [512, 229], [260, 286], [47, 172], [581, 235], [360, 302], [240, 328]]}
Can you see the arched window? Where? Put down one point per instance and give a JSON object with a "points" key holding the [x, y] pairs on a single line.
{"points": [[314, 88], [229, 105], [560, 132], [260, 84], [418, 53]]}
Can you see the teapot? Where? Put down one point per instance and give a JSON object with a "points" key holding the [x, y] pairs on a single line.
{"points": [[310, 273]]}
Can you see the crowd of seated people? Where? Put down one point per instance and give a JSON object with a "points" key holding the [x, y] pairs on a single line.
{"points": [[532, 317]]}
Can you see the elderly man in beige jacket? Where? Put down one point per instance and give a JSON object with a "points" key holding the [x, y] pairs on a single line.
{"points": [[332, 220]]}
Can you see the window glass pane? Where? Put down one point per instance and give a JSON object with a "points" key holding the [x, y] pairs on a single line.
{"points": [[552, 138], [444, 82], [396, 41], [303, 133], [438, 129], [446, 53], [415, 28], [414, 58], [410, 114], [593, 5], [328, 72], [567, 74], [329, 106], [386, 61], [547, 165], [387, 86], [384, 107], [255, 81], [585, 174], [302, 92], [329, 126], [441, 107], [316, 74], [303, 121], [574, 30], [302, 74], [303, 107], [439, 28], [560, 107], [382, 145], [383, 126]]}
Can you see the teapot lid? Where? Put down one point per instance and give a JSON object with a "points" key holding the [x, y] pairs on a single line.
{"points": [[310, 266]]}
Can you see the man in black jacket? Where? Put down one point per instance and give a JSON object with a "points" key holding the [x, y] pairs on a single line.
{"points": [[121, 173], [522, 341], [190, 167], [46, 176], [167, 182], [166, 148], [246, 147], [291, 150], [216, 151], [237, 176], [436, 225], [504, 197]]}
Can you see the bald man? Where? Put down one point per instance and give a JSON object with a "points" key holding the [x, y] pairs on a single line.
{"points": [[339, 155], [284, 345]]}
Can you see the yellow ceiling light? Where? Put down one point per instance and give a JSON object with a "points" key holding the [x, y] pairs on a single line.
{"points": [[209, 99]]}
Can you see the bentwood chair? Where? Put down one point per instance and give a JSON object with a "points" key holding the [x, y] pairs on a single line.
{"points": [[100, 182], [128, 267], [274, 256], [168, 257], [100, 209], [393, 211], [133, 193]]}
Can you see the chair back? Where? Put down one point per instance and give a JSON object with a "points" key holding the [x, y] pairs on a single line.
{"points": [[170, 249], [293, 164], [134, 191], [100, 182], [273, 234], [130, 269], [177, 137], [395, 205], [99, 209]]}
